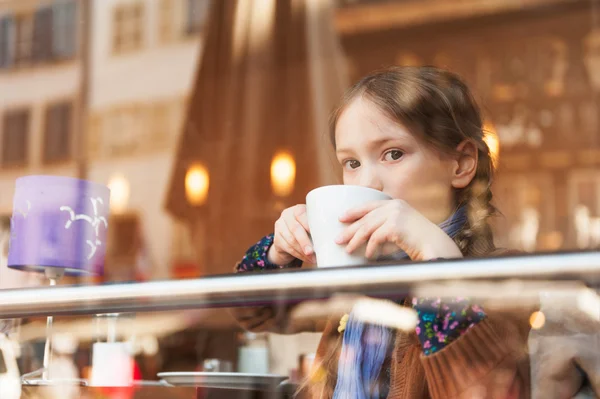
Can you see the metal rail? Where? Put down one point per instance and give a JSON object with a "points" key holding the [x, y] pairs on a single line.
{"points": [[258, 288]]}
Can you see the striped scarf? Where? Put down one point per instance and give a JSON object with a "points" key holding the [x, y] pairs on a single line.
{"points": [[366, 346]]}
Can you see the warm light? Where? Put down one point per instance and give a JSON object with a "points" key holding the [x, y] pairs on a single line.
{"points": [[537, 320], [197, 182], [119, 193], [490, 136], [283, 174]]}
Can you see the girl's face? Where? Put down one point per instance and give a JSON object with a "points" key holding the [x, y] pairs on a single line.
{"points": [[379, 153]]}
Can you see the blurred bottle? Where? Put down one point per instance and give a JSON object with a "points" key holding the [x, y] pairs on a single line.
{"points": [[253, 355]]}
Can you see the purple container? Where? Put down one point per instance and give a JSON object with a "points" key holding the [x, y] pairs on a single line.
{"points": [[59, 222]]}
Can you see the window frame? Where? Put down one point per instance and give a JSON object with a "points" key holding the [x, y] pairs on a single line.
{"points": [[70, 122], [14, 112], [128, 28]]}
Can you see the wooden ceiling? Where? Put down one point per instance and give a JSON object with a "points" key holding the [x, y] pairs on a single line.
{"points": [[362, 16]]}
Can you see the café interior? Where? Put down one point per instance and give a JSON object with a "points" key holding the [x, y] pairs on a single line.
{"points": [[157, 315]]}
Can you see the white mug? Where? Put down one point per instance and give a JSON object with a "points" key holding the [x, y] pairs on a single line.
{"points": [[324, 207], [112, 365]]}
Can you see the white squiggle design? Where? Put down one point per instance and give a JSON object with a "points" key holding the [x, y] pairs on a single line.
{"points": [[94, 220], [25, 213], [93, 247]]}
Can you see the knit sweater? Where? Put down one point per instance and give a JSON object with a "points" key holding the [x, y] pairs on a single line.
{"points": [[489, 360]]}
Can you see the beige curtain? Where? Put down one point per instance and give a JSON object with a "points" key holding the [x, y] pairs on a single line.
{"points": [[270, 73]]}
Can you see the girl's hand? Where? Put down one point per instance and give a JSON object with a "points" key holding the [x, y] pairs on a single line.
{"points": [[394, 221], [291, 238]]}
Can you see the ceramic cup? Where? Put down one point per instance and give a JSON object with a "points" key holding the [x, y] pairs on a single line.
{"points": [[324, 207]]}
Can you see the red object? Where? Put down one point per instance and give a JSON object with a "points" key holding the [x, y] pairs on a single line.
{"points": [[185, 269], [123, 392]]}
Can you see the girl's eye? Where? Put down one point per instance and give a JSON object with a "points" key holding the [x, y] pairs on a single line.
{"points": [[352, 164], [393, 155]]}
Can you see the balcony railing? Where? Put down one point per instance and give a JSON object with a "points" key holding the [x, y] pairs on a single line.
{"points": [[293, 286]]}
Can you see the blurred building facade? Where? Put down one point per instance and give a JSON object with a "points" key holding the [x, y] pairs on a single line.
{"points": [[144, 56], [40, 78], [533, 64], [40, 85], [141, 60]]}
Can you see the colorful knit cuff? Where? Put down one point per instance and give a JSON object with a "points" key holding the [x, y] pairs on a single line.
{"points": [[256, 258], [441, 323]]}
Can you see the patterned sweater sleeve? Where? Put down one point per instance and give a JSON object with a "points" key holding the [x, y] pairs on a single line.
{"points": [[275, 317], [442, 322], [256, 258]]}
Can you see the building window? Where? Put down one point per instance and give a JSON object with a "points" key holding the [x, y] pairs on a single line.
{"points": [[55, 32], [23, 39], [58, 132], [7, 41], [128, 27], [181, 18], [64, 30], [15, 138], [196, 15], [48, 34], [42, 35]]}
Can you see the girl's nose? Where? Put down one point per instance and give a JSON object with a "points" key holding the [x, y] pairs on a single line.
{"points": [[371, 180]]}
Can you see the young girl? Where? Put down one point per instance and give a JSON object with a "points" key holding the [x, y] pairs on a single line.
{"points": [[416, 134]]}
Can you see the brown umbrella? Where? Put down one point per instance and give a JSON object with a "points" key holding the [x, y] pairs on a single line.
{"points": [[270, 73]]}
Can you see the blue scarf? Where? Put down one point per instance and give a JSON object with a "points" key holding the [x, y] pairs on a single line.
{"points": [[366, 346]]}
